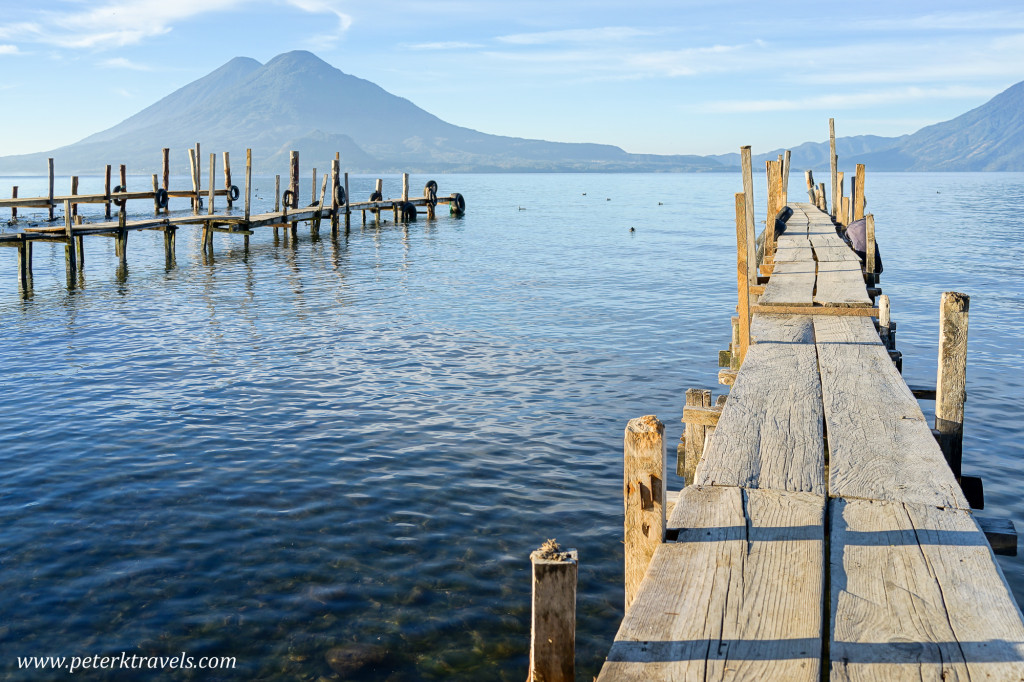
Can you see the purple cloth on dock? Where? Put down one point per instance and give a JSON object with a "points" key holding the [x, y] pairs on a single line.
{"points": [[856, 234]]}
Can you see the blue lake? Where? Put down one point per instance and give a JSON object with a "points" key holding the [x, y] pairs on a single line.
{"points": [[331, 457]]}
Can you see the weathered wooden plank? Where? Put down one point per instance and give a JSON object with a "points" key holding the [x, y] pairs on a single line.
{"points": [[792, 284], [781, 329], [841, 284], [737, 597], [822, 311], [770, 432], [880, 446], [916, 595]]}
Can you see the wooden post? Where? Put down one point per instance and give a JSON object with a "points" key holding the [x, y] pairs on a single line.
{"points": [[121, 243], [821, 195], [951, 384], [210, 192], [14, 209], [123, 175], [845, 220], [744, 270], [49, 166], [335, 184], [812, 196], [74, 191], [858, 195], [775, 204], [293, 179], [553, 620], [837, 208], [748, 192], [869, 246], [156, 202], [248, 183], [694, 434], [199, 178], [348, 211], [884, 320], [106, 191], [834, 161], [80, 245], [192, 163], [312, 187], [785, 179], [69, 245], [166, 162], [227, 179], [315, 223], [405, 187], [277, 199], [644, 496], [169, 245], [25, 263]]}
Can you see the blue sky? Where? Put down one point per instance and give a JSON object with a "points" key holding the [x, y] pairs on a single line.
{"points": [[686, 76]]}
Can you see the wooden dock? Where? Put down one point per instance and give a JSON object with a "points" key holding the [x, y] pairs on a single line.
{"points": [[335, 207], [824, 532]]}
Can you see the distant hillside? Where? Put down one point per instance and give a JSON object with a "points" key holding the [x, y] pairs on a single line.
{"points": [[297, 101], [988, 138]]}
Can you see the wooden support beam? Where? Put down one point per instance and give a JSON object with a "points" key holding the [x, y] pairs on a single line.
{"points": [[745, 272], [210, 193], [49, 168], [694, 435], [14, 209], [106, 191], [812, 195], [813, 310], [858, 193], [951, 384], [702, 416], [70, 261], [834, 163], [293, 179], [644, 497], [25, 264], [166, 170], [156, 201], [248, 183], [553, 620], [869, 244], [748, 198], [192, 163], [348, 200], [785, 179], [121, 241], [169, 256], [335, 185], [1000, 533], [837, 208], [227, 179]]}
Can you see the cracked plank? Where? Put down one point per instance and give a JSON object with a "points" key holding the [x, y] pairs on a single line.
{"points": [[738, 597]]}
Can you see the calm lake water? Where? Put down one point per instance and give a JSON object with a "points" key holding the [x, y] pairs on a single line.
{"points": [[331, 458]]}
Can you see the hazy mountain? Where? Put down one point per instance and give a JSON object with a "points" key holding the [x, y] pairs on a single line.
{"points": [[988, 138], [297, 101]]}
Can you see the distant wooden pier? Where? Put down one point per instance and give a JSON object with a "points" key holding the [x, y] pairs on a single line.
{"points": [[825, 530], [335, 207]]}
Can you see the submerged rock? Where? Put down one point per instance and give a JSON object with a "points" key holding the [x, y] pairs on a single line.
{"points": [[356, 657]]}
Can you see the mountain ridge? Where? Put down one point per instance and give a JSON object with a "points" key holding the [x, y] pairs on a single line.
{"points": [[298, 101]]}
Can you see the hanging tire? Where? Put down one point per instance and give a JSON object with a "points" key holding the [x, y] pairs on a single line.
{"points": [[430, 188], [234, 193], [458, 205], [407, 211], [288, 198], [161, 198], [376, 196], [339, 195], [118, 202]]}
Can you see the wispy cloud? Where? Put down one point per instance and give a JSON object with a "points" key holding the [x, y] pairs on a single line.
{"points": [[604, 34], [118, 23], [122, 63], [9, 49], [445, 45], [982, 20], [842, 101]]}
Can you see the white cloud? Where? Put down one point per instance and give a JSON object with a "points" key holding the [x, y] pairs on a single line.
{"points": [[117, 23], [577, 35], [9, 49], [122, 63]]}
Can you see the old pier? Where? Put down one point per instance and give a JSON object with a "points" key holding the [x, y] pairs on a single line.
{"points": [[335, 207], [825, 530]]}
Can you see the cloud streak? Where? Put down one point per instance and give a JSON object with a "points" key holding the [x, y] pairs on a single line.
{"points": [[843, 101]]}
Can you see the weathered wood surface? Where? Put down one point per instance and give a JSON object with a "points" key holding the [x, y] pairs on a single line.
{"points": [[791, 284], [841, 283], [643, 496], [714, 605], [880, 445], [825, 311], [916, 595], [770, 432], [553, 619]]}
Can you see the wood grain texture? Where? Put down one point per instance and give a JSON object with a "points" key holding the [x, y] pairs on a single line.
{"points": [[643, 497], [770, 432], [841, 284], [792, 284], [738, 597], [916, 595], [880, 446]]}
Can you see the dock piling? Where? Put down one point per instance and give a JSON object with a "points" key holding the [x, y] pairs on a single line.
{"points": [[694, 434], [14, 209], [745, 272], [553, 619], [69, 245], [227, 179], [644, 496], [951, 383], [834, 164], [106, 192], [49, 168]]}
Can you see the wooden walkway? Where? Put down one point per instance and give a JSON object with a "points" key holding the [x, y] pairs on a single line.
{"points": [[824, 536]]}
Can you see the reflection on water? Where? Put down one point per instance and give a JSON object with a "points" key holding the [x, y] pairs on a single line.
{"points": [[331, 456]]}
